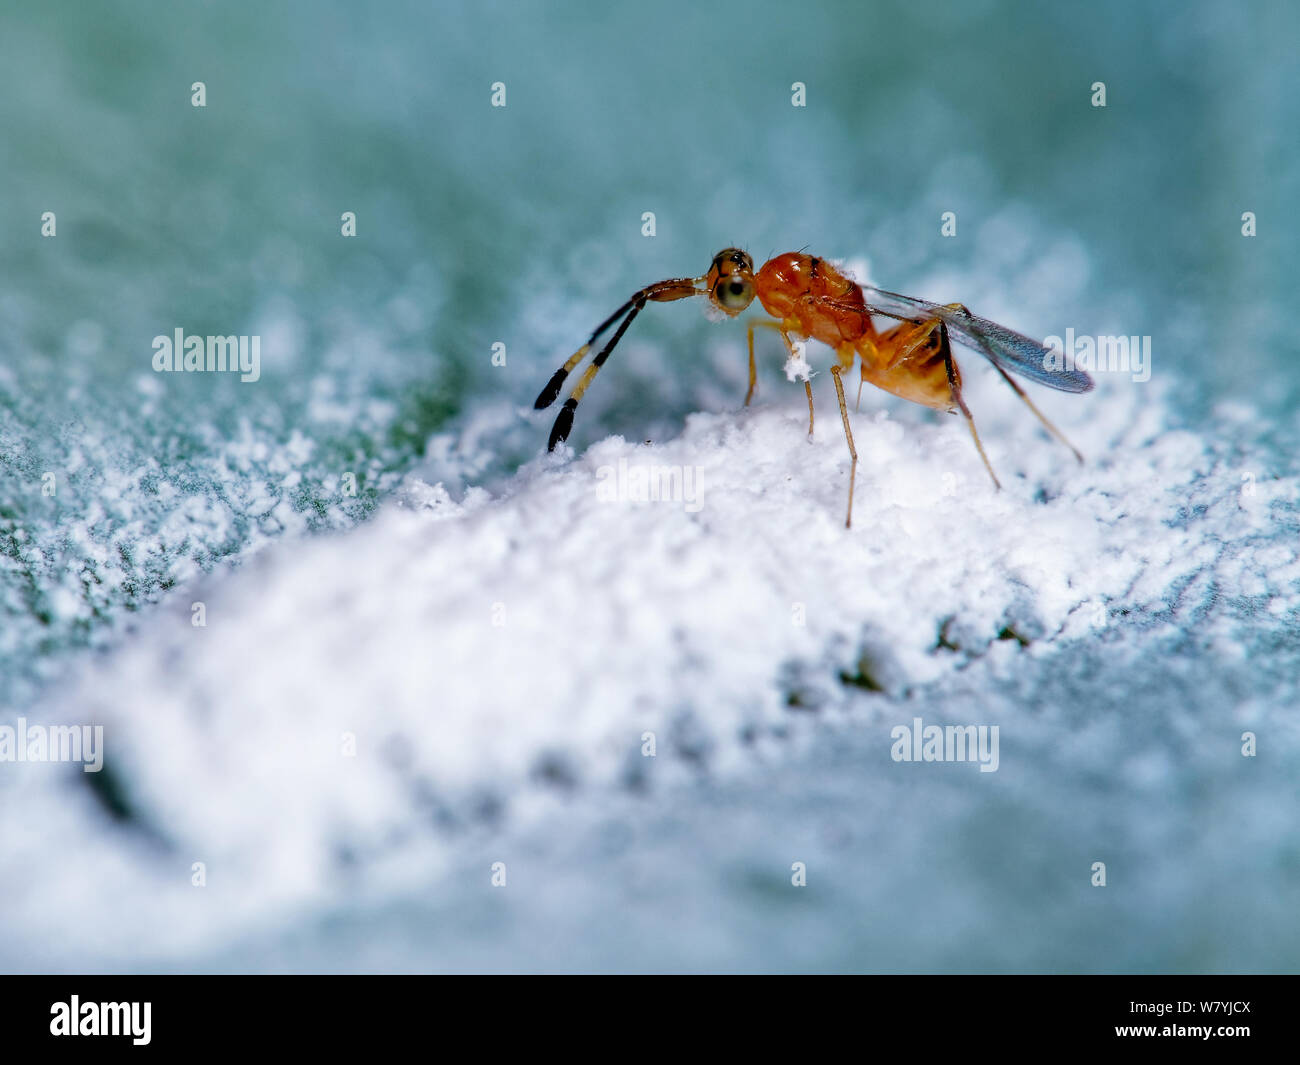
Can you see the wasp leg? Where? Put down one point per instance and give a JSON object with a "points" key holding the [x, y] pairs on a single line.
{"points": [[753, 370], [862, 367], [963, 309], [916, 333], [789, 346], [1037, 413], [807, 384], [954, 386], [836, 374]]}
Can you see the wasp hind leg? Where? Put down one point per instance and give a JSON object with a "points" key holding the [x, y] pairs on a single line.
{"points": [[864, 346], [954, 387], [1038, 413], [836, 376], [963, 309]]}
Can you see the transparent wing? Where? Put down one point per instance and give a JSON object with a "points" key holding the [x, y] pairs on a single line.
{"points": [[1005, 347]]}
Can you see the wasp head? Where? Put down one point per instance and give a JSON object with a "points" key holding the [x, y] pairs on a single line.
{"points": [[731, 281]]}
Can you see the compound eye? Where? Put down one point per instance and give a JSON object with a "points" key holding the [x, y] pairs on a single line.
{"points": [[734, 293]]}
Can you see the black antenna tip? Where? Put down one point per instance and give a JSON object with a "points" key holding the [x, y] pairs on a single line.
{"points": [[563, 423], [548, 395]]}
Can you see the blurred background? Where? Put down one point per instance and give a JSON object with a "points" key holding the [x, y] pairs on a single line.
{"points": [[523, 225]]}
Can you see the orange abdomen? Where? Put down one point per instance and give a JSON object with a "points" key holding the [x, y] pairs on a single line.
{"points": [[921, 376]]}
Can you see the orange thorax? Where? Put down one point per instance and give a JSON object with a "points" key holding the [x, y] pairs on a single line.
{"points": [[814, 298]]}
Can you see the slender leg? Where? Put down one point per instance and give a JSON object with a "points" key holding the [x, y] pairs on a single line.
{"points": [[807, 385], [864, 346], [955, 388], [758, 323], [915, 339], [836, 373], [789, 346], [963, 309], [753, 370], [1039, 414]]}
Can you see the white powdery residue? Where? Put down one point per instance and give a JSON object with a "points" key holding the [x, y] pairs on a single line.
{"points": [[347, 692], [796, 366], [325, 407], [469, 452], [291, 456]]}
